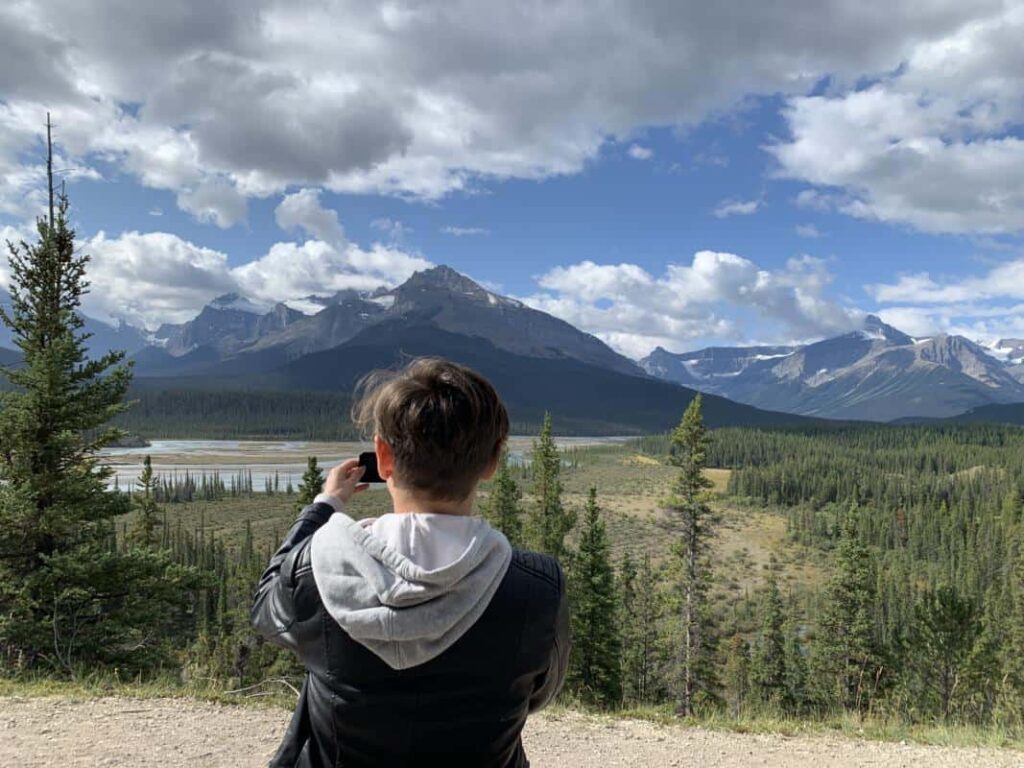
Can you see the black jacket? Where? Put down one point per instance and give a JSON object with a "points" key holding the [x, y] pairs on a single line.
{"points": [[467, 707]]}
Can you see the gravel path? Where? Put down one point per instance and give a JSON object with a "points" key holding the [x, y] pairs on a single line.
{"points": [[170, 732]]}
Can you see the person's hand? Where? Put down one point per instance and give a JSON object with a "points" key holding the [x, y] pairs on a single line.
{"points": [[343, 480]]}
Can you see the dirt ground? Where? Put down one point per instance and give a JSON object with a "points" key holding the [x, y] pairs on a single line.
{"points": [[172, 732]]}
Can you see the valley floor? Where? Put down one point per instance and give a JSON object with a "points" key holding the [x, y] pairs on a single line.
{"points": [[45, 731]]}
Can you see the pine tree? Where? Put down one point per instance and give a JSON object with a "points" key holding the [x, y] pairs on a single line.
{"points": [[312, 482], [547, 521], [1011, 704], [148, 514], [945, 629], [736, 674], [68, 595], [502, 508], [688, 508], [768, 658], [847, 659], [640, 614], [594, 666], [796, 668]]}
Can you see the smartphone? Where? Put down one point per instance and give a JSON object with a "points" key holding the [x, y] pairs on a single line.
{"points": [[370, 473]]}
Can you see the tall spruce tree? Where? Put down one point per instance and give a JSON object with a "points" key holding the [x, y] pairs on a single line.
{"points": [[312, 482], [502, 507], [148, 516], [640, 616], [68, 595], [846, 661], [768, 658], [945, 629], [688, 508], [595, 663], [796, 667], [1011, 653], [548, 521], [736, 674]]}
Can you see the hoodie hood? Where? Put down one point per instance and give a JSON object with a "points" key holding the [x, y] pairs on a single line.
{"points": [[408, 586]]}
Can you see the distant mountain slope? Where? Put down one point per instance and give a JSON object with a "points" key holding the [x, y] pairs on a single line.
{"points": [[1003, 413], [584, 397], [225, 326], [104, 336], [877, 373], [231, 335]]}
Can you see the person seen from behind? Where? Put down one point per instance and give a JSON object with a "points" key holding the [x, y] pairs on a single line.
{"points": [[427, 640]]}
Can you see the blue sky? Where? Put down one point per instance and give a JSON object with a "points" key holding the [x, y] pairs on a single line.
{"points": [[674, 176]]}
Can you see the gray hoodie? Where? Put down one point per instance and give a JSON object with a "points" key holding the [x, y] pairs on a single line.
{"points": [[407, 586]]}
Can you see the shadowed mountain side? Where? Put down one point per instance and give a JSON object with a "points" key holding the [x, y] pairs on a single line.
{"points": [[996, 413], [575, 392]]}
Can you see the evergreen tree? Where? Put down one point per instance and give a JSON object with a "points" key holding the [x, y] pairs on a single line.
{"points": [[796, 669], [547, 521], [68, 595], [847, 660], [640, 614], [736, 674], [1011, 652], [768, 658], [945, 629], [502, 508], [148, 515], [312, 482], [594, 667], [688, 508]]}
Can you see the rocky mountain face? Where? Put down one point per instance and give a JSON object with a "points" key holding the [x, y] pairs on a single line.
{"points": [[230, 334], [877, 373], [226, 325]]}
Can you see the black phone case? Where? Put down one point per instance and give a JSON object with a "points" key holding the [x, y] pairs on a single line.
{"points": [[370, 474]]}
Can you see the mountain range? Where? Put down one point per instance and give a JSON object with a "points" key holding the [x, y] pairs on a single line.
{"points": [[539, 362], [876, 373]]}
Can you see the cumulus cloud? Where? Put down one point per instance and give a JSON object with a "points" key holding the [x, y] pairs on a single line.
{"points": [[807, 230], [728, 208], [635, 311], [259, 96], [935, 145], [215, 200], [987, 305], [156, 277], [302, 211], [640, 152]]}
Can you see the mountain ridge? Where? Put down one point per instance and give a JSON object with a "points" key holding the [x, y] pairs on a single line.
{"points": [[876, 373]]}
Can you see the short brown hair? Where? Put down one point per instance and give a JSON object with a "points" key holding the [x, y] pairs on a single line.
{"points": [[443, 422]]}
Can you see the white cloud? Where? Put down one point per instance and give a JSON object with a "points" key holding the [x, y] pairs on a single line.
{"points": [[302, 211], [807, 230], [156, 277], [215, 200], [421, 100], [639, 152], [1003, 281], [935, 145], [987, 305], [153, 277], [634, 310], [465, 231], [728, 208]]}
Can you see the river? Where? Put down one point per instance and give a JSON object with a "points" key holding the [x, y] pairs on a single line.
{"points": [[284, 460]]}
